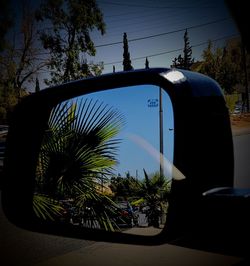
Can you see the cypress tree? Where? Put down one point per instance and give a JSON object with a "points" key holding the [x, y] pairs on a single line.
{"points": [[185, 61], [147, 63], [187, 52], [126, 55]]}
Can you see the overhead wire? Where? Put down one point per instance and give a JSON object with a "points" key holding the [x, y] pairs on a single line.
{"points": [[144, 15], [164, 33], [174, 50], [154, 6], [153, 35], [156, 26], [158, 35], [163, 53]]}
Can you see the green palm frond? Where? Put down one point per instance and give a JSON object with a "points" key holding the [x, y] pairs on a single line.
{"points": [[46, 208], [155, 189], [78, 152], [102, 208]]}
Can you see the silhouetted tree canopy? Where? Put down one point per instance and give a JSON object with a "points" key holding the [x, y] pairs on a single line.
{"points": [[146, 63], [224, 65], [126, 55], [67, 37], [185, 61], [6, 22]]}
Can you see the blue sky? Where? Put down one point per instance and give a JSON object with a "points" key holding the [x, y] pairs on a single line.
{"points": [[141, 121]]}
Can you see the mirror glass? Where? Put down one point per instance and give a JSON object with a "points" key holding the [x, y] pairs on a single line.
{"points": [[106, 161]]}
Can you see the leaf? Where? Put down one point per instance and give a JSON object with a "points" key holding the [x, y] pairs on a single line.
{"points": [[77, 153], [46, 208]]}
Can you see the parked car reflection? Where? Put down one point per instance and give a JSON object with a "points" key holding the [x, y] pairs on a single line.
{"points": [[127, 217]]}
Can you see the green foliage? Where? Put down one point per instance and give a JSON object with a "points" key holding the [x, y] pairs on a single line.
{"points": [[79, 146], [150, 189], [8, 100], [210, 62], [77, 155], [46, 208], [231, 100], [97, 209], [155, 191], [228, 71], [18, 57], [155, 188], [68, 37], [125, 187], [223, 65]]}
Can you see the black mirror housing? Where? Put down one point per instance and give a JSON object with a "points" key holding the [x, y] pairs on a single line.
{"points": [[203, 148]]}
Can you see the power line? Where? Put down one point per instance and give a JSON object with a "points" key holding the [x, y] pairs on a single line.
{"points": [[162, 53], [156, 7], [155, 35], [143, 21], [132, 20], [143, 24], [164, 33], [168, 52], [155, 25], [172, 51], [124, 16]]}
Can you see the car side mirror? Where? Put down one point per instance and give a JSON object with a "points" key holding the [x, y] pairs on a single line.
{"points": [[72, 148], [100, 164]]}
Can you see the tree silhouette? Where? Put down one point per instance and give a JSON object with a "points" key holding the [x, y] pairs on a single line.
{"points": [[187, 51], [37, 88], [67, 37], [223, 64], [6, 22], [185, 61], [126, 55], [147, 63]]}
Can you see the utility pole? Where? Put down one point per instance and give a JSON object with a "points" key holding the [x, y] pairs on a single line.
{"points": [[156, 103], [161, 131]]}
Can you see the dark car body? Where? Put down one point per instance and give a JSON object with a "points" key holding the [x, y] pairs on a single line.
{"points": [[203, 152]]}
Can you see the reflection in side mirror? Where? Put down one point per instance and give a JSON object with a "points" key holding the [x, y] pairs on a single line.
{"points": [[93, 169]]}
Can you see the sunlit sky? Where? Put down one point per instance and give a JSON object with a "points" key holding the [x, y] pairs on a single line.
{"points": [[141, 124]]}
